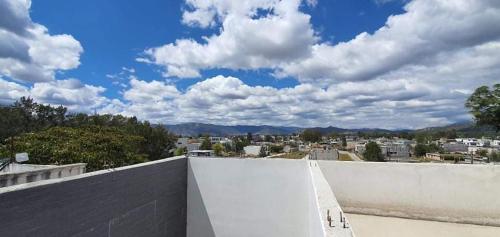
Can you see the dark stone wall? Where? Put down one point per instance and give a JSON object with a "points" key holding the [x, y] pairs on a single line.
{"points": [[142, 201]]}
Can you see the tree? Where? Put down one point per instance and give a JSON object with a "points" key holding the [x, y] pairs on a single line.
{"points": [[420, 150], [249, 137], [218, 149], [484, 105], [482, 153], [494, 156], [99, 147], [268, 138], [344, 141], [240, 143], [311, 135], [180, 151], [27, 116], [262, 152], [373, 152], [206, 144], [276, 148]]}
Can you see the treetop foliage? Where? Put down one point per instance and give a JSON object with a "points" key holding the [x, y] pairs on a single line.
{"points": [[52, 136], [484, 105], [373, 152]]}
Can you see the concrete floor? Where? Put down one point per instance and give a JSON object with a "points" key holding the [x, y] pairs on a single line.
{"points": [[375, 226]]}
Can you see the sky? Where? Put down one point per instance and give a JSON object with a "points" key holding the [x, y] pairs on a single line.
{"points": [[395, 64]]}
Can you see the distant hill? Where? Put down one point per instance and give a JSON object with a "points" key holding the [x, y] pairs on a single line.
{"points": [[464, 129], [194, 129]]}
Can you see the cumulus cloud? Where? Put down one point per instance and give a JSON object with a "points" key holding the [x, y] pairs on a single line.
{"points": [[27, 51], [253, 34], [71, 93], [384, 102], [426, 29], [10, 91], [415, 71]]}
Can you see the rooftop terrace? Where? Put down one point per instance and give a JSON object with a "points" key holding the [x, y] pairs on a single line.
{"points": [[258, 197]]}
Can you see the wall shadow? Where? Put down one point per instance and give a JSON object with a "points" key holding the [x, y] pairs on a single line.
{"points": [[198, 221]]}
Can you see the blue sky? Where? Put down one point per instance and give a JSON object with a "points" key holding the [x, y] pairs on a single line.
{"points": [[113, 33], [369, 63]]}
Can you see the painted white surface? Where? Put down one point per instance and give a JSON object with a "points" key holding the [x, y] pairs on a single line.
{"points": [[248, 197], [252, 150], [377, 226], [16, 174], [443, 192], [328, 206]]}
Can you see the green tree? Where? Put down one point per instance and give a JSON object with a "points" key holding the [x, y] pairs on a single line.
{"points": [[344, 141], [218, 149], [249, 137], [494, 156], [99, 147], [276, 148], [240, 143], [484, 105], [268, 138], [27, 116], [373, 152], [482, 153], [180, 151], [206, 144], [262, 152], [421, 150], [311, 135]]}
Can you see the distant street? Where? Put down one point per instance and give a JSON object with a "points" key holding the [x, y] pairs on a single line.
{"points": [[353, 156]]}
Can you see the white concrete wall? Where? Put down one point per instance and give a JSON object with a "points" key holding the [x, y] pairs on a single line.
{"points": [[443, 192], [248, 197], [27, 173], [316, 222]]}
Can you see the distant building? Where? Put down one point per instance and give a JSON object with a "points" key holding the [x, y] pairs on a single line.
{"points": [[252, 150], [15, 173], [201, 153], [193, 146], [324, 154], [433, 156], [455, 147], [303, 147], [396, 151], [182, 142], [360, 148], [288, 149]]}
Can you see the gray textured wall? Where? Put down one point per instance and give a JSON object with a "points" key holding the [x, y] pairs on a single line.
{"points": [[144, 200]]}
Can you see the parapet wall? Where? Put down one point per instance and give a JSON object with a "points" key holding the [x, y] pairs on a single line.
{"points": [[147, 199], [40, 172], [251, 197], [442, 192]]}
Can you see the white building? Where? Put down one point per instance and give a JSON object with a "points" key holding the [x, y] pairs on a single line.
{"points": [[252, 150], [182, 142], [201, 153], [455, 147], [193, 146], [15, 173]]}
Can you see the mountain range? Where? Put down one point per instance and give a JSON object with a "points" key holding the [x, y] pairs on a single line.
{"points": [[195, 129]]}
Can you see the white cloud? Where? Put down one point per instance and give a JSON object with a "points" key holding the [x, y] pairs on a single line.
{"points": [[253, 35], [27, 51], [149, 92], [427, 28], [10, 91], [384, 103], [71, 93]]}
